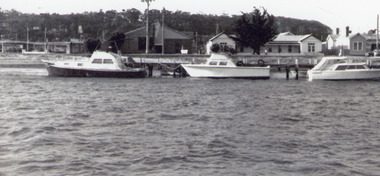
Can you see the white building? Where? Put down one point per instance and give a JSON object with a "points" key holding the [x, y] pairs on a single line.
{"points": [[223, 40], [290, 44]]}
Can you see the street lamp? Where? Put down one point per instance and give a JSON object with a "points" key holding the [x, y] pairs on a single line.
{"points": [[147, 26]]}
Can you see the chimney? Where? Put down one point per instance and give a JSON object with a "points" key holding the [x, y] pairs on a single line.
{"points": [[348, 31], [337, 31]]}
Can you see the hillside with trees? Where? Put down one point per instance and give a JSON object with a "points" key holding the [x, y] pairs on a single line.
{"points": [[103, 25]]}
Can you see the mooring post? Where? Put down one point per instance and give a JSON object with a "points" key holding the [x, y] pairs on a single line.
{"points": [[183, 72], [287, 72], [150, 68]]}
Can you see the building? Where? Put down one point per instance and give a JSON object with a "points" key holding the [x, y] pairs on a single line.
{"points": [[290, 44], [363, 44], [72, 47], [171, 40], [338, 44], [224, 41]]}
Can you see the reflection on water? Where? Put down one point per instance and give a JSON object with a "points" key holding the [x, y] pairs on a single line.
{"points": [[184, 126]]}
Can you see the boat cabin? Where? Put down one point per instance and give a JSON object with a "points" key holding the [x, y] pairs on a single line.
{"points": [[220, 60], [351, 67], [339, 63], [98, 60]]}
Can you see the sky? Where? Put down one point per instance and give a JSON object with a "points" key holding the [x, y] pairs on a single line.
{"points": [[361, 15]]}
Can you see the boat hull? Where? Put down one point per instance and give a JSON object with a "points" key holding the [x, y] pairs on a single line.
{"points": [[204, 71], [68, 72], [344, 75]]}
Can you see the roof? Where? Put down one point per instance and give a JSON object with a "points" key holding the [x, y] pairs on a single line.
{"points": [[366, 36], [169, 33], [220, 34], [133, 31], [334, 36], [288, 37]]}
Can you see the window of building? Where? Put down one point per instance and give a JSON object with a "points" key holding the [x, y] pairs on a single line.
{"points": [[289, 49], [311, 47], [270, 49], [358, 46], [279, 49]]}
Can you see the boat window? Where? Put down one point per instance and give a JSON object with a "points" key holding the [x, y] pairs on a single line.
{"points": [[222, 63], [97, 61], [360, 67], [107, 61], [341, 67], [351, 67], [213, 63], [80, 64]]}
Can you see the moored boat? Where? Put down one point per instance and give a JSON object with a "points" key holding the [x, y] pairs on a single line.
{"points": [[220, 65], [100, 64], [342, 68]]}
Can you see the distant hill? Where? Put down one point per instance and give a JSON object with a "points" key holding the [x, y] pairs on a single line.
{"points": [[98, 25], [297, 26]]}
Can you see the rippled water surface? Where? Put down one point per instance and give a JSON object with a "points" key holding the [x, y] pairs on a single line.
{"points": [[183, 126]]}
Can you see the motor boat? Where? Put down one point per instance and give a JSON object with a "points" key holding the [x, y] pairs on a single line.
{"points": [[221, 65], [342, 68], [100, 64]]}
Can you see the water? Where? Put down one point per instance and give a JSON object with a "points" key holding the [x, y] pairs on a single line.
{"points": [[183, 126]]}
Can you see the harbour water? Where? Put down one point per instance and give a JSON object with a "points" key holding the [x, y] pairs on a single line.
{"points": [[184, 126]]}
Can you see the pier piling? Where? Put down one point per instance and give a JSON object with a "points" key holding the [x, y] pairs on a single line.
{"points": [[287, 73]]}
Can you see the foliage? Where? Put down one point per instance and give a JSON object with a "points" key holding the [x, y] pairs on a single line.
{"points": [[255, 29], [103, 25], [215, 47], [116, 41], [92, 45], [301, 27]]}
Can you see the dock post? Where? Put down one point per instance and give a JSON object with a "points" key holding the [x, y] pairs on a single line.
{"points": [[183, 72], [287, 73], [150, 68]]}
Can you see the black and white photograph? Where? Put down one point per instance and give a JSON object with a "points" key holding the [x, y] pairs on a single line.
{"points": [[189, 88]]}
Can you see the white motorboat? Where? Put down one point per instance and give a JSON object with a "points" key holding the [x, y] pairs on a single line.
{"points": [[342, 68], [220, 65], [100, 64]]}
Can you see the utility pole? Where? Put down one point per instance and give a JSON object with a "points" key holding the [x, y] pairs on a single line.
{"points": [[377, 37], [163, 31], [27, 38], [147, 25]]}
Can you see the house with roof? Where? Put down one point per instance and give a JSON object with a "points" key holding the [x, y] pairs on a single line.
{"points": [[363, 44], [338, 44], [227, 41], [171, 40], [224, 41], [290, 44]]}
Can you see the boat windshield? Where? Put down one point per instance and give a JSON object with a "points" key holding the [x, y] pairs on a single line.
{"points": [[328, 64]]}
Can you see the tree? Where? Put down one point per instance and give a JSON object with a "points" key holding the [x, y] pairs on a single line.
{"points": [[92, 45], [116, 41], [255, 29]]}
